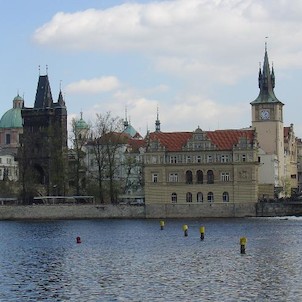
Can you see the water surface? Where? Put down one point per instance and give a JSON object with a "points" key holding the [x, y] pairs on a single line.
{"points": [[133, 260]]}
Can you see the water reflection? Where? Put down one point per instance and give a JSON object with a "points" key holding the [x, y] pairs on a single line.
{"points": [[133, 260]]}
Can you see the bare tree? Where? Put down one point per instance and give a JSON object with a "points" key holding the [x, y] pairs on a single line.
{"points": [[108, 138]]}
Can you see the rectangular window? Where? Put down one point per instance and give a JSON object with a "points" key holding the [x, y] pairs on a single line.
{"points": [[198, 158], [225, 176], [243, 157], [209, 158], [173, 159], [154, 177], [188, 159], [173, 177], [8, 160], [7, 140], [224, 158]]}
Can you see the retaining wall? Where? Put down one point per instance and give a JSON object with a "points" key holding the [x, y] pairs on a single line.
{"points": [[17, 212]]}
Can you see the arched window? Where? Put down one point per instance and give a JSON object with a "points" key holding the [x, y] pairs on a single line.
{"points": [[199, 177], [189, 197], [225, 197], [189, 177], [199, 197], [210, 177], [174, 197], [210, 197]]}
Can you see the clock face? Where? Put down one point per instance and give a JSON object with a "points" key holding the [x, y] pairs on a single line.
{"points": [[264, 114]]}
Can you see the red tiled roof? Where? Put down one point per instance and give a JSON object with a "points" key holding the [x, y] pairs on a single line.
{"points": [[226, 139], [173, 141], [136, 143], [222, 139]]}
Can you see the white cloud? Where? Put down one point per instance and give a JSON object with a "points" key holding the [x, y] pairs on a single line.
{"points": [[93, 86], [198, 34]]}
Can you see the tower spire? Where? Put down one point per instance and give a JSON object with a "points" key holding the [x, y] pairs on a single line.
{"points": [[157, 122], [266, 82], [126, 124]]}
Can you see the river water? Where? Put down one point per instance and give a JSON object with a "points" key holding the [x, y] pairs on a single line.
{"points": [[133, 260]]}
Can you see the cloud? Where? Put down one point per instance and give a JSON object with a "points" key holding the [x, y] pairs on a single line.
{"points": [[93, 86], [198, 35]]}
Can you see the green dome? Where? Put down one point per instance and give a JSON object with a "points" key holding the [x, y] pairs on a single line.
{"points": [[18, 98], [11, 119], [81, 124]]}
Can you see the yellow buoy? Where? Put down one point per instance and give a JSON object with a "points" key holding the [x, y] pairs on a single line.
{"points": [[202, 231], [185, 229], [162, 224], [243, 242]]}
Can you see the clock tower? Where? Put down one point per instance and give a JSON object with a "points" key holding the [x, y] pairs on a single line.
{"points": [[267, 119]]}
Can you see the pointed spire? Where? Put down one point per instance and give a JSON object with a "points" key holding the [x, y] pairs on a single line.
{"points": [[157, 122], [43, 94], [61, 99], [266, 82], [126, 124]]}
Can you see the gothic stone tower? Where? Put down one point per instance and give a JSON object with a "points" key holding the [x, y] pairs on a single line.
{"points": [[45, 139], [267, 119]]}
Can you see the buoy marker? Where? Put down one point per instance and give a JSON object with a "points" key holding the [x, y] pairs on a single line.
{"points": [[185, 229], [243, 242], [202, 231]]}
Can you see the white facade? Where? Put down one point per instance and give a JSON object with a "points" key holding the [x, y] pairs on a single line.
{"points": [[8, 167]]}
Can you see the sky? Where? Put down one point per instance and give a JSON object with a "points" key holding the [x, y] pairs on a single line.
{"points": [[195, 62]]}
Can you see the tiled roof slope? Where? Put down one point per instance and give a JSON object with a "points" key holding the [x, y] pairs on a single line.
{"points": [[173, 141], [222, 139], [226, 139]]}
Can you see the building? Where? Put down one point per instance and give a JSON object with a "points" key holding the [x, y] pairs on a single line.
{"points": [[44, 142], [278, 174], [225, 166], [201, 167], [10, 130], [11, 126]]}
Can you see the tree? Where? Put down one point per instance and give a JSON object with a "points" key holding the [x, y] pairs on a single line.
{"points": [[106, 146]]}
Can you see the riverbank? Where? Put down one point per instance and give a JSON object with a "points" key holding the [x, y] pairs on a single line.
{"points": [[98, 211]]}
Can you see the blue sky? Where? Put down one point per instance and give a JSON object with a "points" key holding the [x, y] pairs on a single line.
{"points": [[196, 60]]}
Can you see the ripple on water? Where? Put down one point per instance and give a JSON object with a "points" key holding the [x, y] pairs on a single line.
{"points": [[132, 260]]}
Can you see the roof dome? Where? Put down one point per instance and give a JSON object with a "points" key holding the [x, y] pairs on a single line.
{"points": [[12, 118], [81, 124], [18, 98]]}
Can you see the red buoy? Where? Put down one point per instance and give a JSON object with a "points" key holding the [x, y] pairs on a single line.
{"points": [[78, 239]]}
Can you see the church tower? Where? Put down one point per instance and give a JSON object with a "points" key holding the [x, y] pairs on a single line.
{"points": [[44, 139], [267, 119]]}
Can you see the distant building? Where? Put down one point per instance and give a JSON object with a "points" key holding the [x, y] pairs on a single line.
{"points": [[10, 130], [44, 139], [11, 126], [201, 166], [277, 142]]}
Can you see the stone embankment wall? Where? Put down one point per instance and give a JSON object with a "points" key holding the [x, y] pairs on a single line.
{"points": [[267, 209], [94, 211], [70, 212]]}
